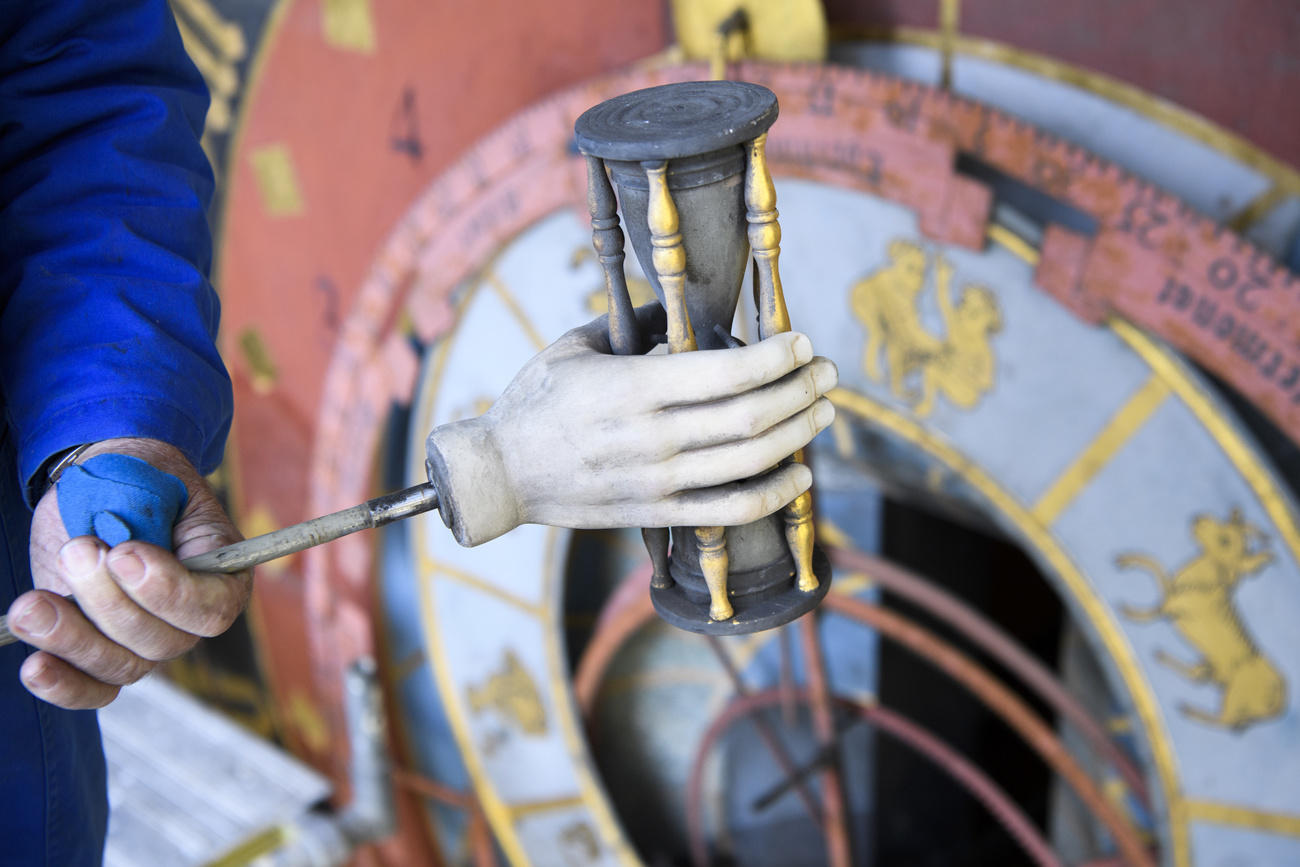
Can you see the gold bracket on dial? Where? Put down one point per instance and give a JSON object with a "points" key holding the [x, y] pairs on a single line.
{"points": [[778, 30]]}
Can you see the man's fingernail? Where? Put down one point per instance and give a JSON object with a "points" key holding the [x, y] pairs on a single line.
{"points": [[823, 413], [127, 568], [38, 618], [38, 676], [80, 556], [802, 348]]}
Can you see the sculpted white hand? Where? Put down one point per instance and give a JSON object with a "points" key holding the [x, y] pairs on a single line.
{"points": [[582, 438]]}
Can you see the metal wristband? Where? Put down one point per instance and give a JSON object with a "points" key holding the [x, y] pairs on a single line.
{"points": [[66, 459]]}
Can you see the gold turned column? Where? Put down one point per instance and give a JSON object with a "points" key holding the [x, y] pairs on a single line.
{"points": [[713, 562], [669, 258], [774, 318]]}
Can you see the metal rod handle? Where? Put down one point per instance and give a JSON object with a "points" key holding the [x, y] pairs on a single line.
{"points": [[299, 537]]}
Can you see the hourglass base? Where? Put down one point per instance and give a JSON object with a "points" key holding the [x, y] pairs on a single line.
{"points": [[689, 610]]}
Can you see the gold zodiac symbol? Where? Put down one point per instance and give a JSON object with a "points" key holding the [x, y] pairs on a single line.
{"points": [[959, 365], [1197, 600], [579, 843], [511, 693]]}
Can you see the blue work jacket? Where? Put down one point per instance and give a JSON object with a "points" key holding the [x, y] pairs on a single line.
{"points": [[107, 327]]}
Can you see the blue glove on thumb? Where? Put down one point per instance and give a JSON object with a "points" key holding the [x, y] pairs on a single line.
{"points": [[119, 497]]}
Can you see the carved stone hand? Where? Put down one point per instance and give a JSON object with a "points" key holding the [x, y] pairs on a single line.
{"points": [[584, 439]]}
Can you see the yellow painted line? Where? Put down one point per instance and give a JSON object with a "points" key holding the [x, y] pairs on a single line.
{"points": [[1013, 242], [833, 535], [516, 309], [1119, 430], [257, 355], [276, 180], [1243, 817], [220, 74], [851, 584], [261, 843], [600, 810], [498, 815], [1257, 208], [854, 582], [348, 25], [1244, 457], [532, 808], [842, 434], [429, 566], [949, 15], [226, 35]]}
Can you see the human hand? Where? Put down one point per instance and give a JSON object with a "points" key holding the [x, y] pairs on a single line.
{"points": [[135, 604], [582, 438]]}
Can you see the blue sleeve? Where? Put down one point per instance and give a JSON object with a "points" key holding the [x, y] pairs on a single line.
{"points": [[107, 319]]}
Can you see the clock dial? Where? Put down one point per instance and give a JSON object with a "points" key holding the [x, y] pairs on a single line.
{"points": [[1060, 431], [1093, 446]]}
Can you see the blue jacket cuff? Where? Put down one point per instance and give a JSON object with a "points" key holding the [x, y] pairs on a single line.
{"points": [[108, 418]]}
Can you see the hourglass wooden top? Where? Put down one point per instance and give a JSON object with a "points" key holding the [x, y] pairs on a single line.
{"points": [[676, 120]]}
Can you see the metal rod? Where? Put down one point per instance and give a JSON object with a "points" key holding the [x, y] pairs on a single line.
{"points": [[943, 756], [839, 847], [822, 759], [271, 546], [769, 738], [372, 513], [787, 676]]}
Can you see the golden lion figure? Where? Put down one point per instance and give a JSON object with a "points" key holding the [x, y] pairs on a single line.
{"points": [[959, 365], [1197, 600]]}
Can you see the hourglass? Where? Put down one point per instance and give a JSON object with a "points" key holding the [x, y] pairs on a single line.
{"points": [[686, 165]]}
